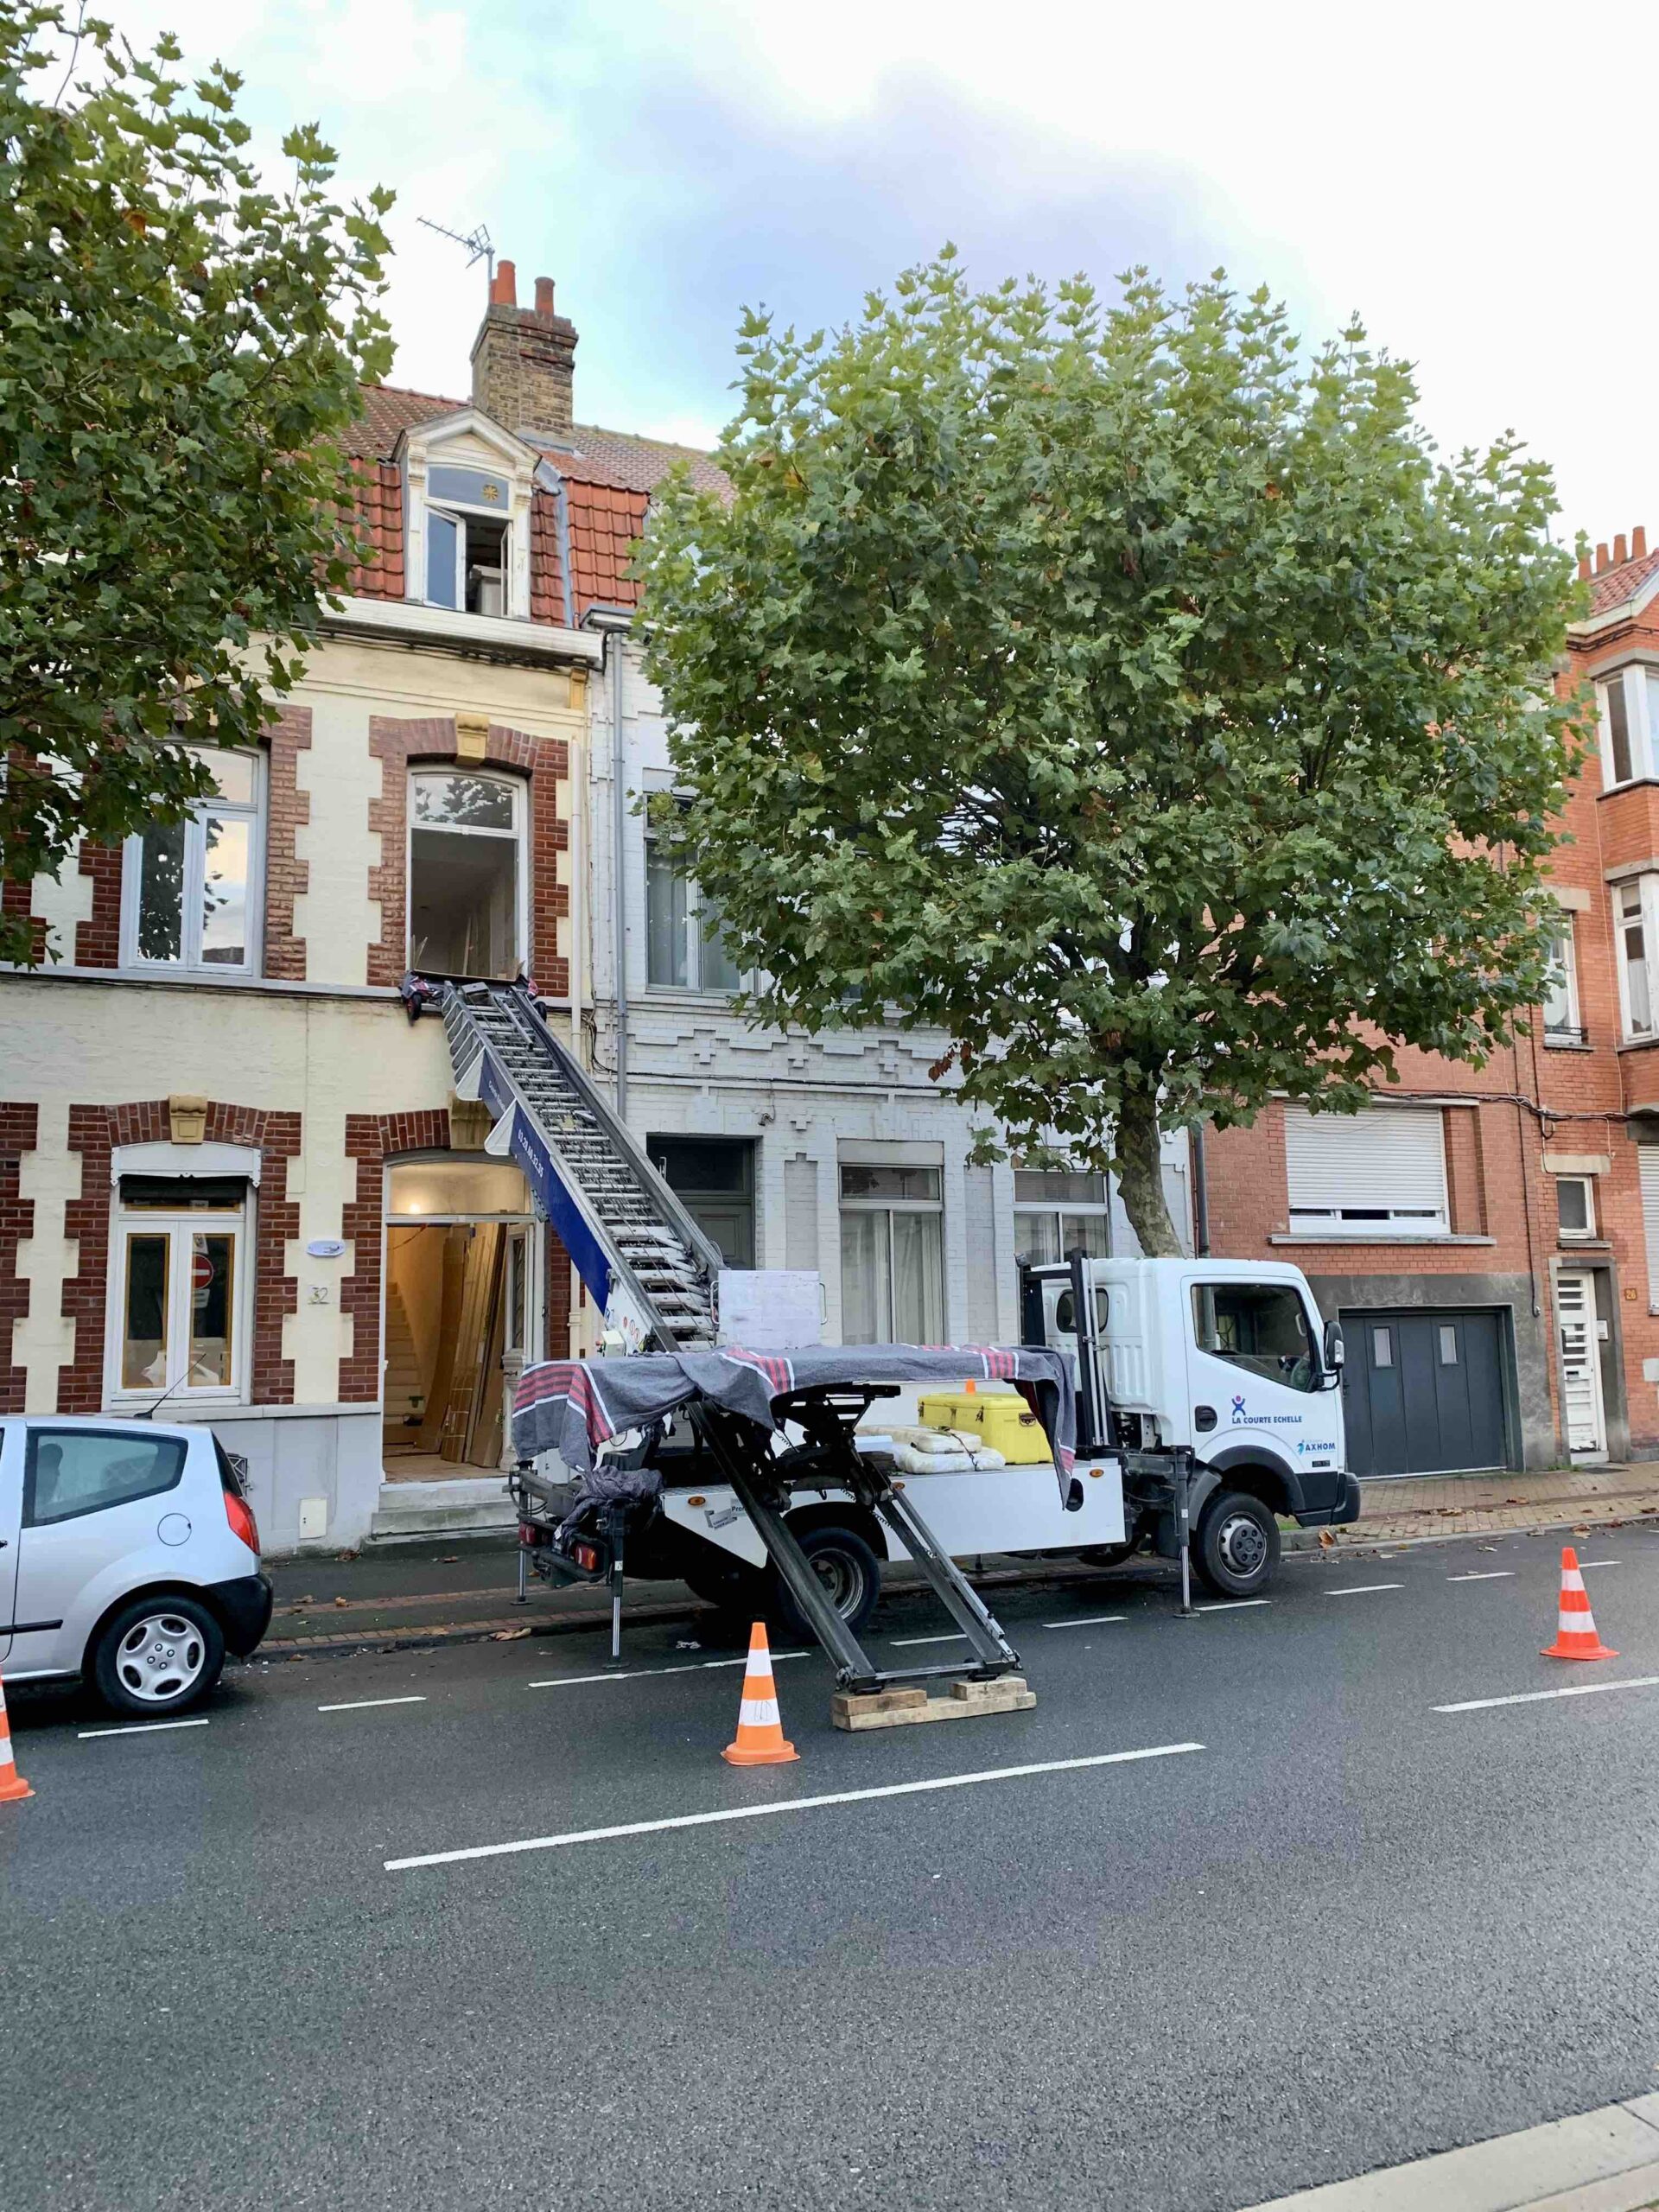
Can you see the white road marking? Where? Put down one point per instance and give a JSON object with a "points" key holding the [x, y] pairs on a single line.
{"points": [[139, 1728], [787, 1805], [634, 1674], [1488, 1574], [1089, 1620], [362, 1704], [1232, 1605], [899, 1640], [1583, 1563], [1537, 1697], [1364, 1589]]}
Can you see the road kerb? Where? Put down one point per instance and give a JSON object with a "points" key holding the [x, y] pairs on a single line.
{"points": [[1612, 2147]]}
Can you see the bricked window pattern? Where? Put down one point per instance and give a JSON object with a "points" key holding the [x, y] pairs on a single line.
{"points": [[191, 891]]}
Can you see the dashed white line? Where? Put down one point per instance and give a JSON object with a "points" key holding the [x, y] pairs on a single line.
{"points": [[1487, 1574], [1583, 1563], [899, 1640], [787, 1805], [1089, 1620], [1537, 1697], [362, 1704], [1364, 1589], [635, 1673], [140, 1728], [1232, 1605]]}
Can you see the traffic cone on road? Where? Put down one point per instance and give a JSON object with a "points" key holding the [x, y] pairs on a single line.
{"points": [[760, 1740], [1575, 1627], [12, 1785]]}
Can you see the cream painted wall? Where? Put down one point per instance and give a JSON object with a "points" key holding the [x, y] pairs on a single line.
{"points": [[346, 682], [62, 902]]}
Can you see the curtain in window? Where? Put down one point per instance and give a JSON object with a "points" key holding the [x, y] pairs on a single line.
{"points": [[918, 1279], [865, 1301]]}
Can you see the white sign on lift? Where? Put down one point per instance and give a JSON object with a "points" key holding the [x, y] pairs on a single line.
{"points": [[771, 1309]]}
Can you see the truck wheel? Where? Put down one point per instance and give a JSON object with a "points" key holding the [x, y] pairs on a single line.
{"points": [[848, 1569], [1108, 1555], [1236, 1547]]}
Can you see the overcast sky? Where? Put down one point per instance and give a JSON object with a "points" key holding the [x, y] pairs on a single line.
{"points": [[1474, 179]]}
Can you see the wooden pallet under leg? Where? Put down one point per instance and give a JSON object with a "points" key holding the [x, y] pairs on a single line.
{"points": [[902, 1709]]}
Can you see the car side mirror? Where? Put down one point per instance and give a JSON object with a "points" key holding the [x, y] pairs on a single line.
{"points": [[1335, 1355]]}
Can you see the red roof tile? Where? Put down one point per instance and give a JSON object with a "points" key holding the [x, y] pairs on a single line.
{"points": [[587, 454], [1613, 587]]}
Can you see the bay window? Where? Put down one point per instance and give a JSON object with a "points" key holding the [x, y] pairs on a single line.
{"points": [[190, 890], [892, 1251], [1635, 904], [1629, 702]]}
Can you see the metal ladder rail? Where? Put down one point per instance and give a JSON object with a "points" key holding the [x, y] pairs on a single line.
{"points": [[468, 1041]]}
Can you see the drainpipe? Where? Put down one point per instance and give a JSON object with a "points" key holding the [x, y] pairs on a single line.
{"points": [[613, 624], [1200, 1195]]}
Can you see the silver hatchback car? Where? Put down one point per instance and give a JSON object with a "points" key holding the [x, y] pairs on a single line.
{"points": [[128, 1556]]}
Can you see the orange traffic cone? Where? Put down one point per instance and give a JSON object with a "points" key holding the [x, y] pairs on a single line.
{"points": [[12, 1784], [1575, 1627], [759, 1730]]}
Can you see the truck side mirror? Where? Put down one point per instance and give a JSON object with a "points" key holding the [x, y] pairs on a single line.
{"points": [[1335, 1353]]}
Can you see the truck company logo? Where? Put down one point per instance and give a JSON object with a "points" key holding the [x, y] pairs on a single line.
{"points": [[1243, 1420], [1312, 1444], [1238, 1408]]}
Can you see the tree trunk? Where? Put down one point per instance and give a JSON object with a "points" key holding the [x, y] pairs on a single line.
{"points": [[1140, 1177]]}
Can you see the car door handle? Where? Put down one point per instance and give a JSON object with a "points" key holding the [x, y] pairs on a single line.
{"points": [[1204, 1419]]}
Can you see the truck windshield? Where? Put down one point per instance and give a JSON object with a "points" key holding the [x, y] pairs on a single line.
{"points": [[1262, 1328]]}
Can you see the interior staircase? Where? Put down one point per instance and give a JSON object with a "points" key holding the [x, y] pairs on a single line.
{"points": [[403, 1393]]}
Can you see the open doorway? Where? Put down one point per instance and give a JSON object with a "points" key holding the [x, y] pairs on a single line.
{"points": [[462, 1314]]}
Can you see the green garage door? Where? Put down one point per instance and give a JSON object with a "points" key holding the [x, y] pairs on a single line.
{"points": [[1423, 1391]]}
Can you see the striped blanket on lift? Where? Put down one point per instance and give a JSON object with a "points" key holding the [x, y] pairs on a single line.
{"points": [[572, 1407]]}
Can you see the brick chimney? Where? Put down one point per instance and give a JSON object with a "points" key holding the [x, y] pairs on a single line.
{"points": [[1639, 543], [523, 359]]}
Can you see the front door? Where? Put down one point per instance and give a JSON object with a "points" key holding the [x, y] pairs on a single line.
{"points": [[1582, 1417]]}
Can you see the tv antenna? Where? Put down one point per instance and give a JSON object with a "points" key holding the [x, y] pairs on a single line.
{"points": [[477, 243]]}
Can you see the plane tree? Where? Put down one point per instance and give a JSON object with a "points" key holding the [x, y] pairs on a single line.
{"points": [[1123, 692]]}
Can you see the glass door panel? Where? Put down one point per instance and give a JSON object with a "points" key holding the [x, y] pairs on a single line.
{"points": [[144, 1309]]}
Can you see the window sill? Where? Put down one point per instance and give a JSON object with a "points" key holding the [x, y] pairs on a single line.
{"points": [[1637, 1044], [1630, 784], [1400, 1238], [415, 620], [1584, 1244], [1566, 1044]]}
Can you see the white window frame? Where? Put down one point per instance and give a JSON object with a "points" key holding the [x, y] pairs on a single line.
{"points": [[179, 1227], [469, 442], [1571, 1030], [1646, 886], [1577, 1236], [1371, 1223], [694, 984], [1056, 1212], [1639, 686], [190, 962], [435, 771], [879, 1203]]}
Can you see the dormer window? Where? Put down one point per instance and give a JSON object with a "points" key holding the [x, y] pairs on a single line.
{"points": [[468, 540]]}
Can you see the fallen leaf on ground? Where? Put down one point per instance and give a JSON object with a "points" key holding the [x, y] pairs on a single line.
{"points": [[340, 1601], [1327, 1537], [346, 1555], [508, 1635], [449, 1559]]}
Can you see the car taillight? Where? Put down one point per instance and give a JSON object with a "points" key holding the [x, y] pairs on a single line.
{"points": [[239, 1514]]}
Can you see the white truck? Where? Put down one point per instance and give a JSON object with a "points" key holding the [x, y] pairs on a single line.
{"points": [[1208, 1383]]}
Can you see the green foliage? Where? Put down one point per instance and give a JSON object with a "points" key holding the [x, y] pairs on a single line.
{"points": [[1117, 691], [180, 351]]}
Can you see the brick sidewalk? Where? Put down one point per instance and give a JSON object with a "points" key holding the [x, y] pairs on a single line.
{"points": [[1483, 1506]]}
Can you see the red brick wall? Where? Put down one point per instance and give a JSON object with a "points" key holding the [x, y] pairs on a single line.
{"points": [[288, 809], [399, 745], [98, 940], [19, 1133], [15, 901], [94, 1131]]}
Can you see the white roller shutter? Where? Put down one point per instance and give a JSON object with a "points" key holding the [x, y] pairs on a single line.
{"points": [[1383, 1168], [1647, 1158]]}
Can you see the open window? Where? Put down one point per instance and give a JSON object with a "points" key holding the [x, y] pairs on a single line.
{"points": [[468, 540], [465, 873]]}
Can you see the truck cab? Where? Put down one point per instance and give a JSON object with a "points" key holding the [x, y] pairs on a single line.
{"points": [[1226, 1359]]}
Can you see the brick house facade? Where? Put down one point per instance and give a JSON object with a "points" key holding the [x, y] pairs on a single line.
{"points": [[1527, 1324]]}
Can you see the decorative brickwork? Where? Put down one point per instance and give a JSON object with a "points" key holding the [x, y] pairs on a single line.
{"points": [[15, 901], [98, 941], [287, 810], [94, 1131], [399, 745], [19, 1133]]}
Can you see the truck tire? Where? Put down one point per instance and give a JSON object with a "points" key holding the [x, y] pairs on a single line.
{"points": [[846, 1566], [731, 1585], [1108, 1555], [1235, 1547]]}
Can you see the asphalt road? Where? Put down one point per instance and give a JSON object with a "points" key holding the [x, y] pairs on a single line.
{"points": [[1343, 1929]]}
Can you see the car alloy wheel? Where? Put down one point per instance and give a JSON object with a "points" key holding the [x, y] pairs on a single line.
{"points": [[160, 1658]]}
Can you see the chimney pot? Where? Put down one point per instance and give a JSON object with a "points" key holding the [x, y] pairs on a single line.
{"points": [[1602, 562], [544, 296], [1621, 550], [504, 286], [523, 361], [1639, 543], [1583, 567]]}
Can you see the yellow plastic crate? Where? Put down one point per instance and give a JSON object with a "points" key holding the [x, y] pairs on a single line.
{"points": [[1005, 1421]]}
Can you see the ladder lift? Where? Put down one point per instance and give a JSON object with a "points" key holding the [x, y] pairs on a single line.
{"points": [[625, 1229]]}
